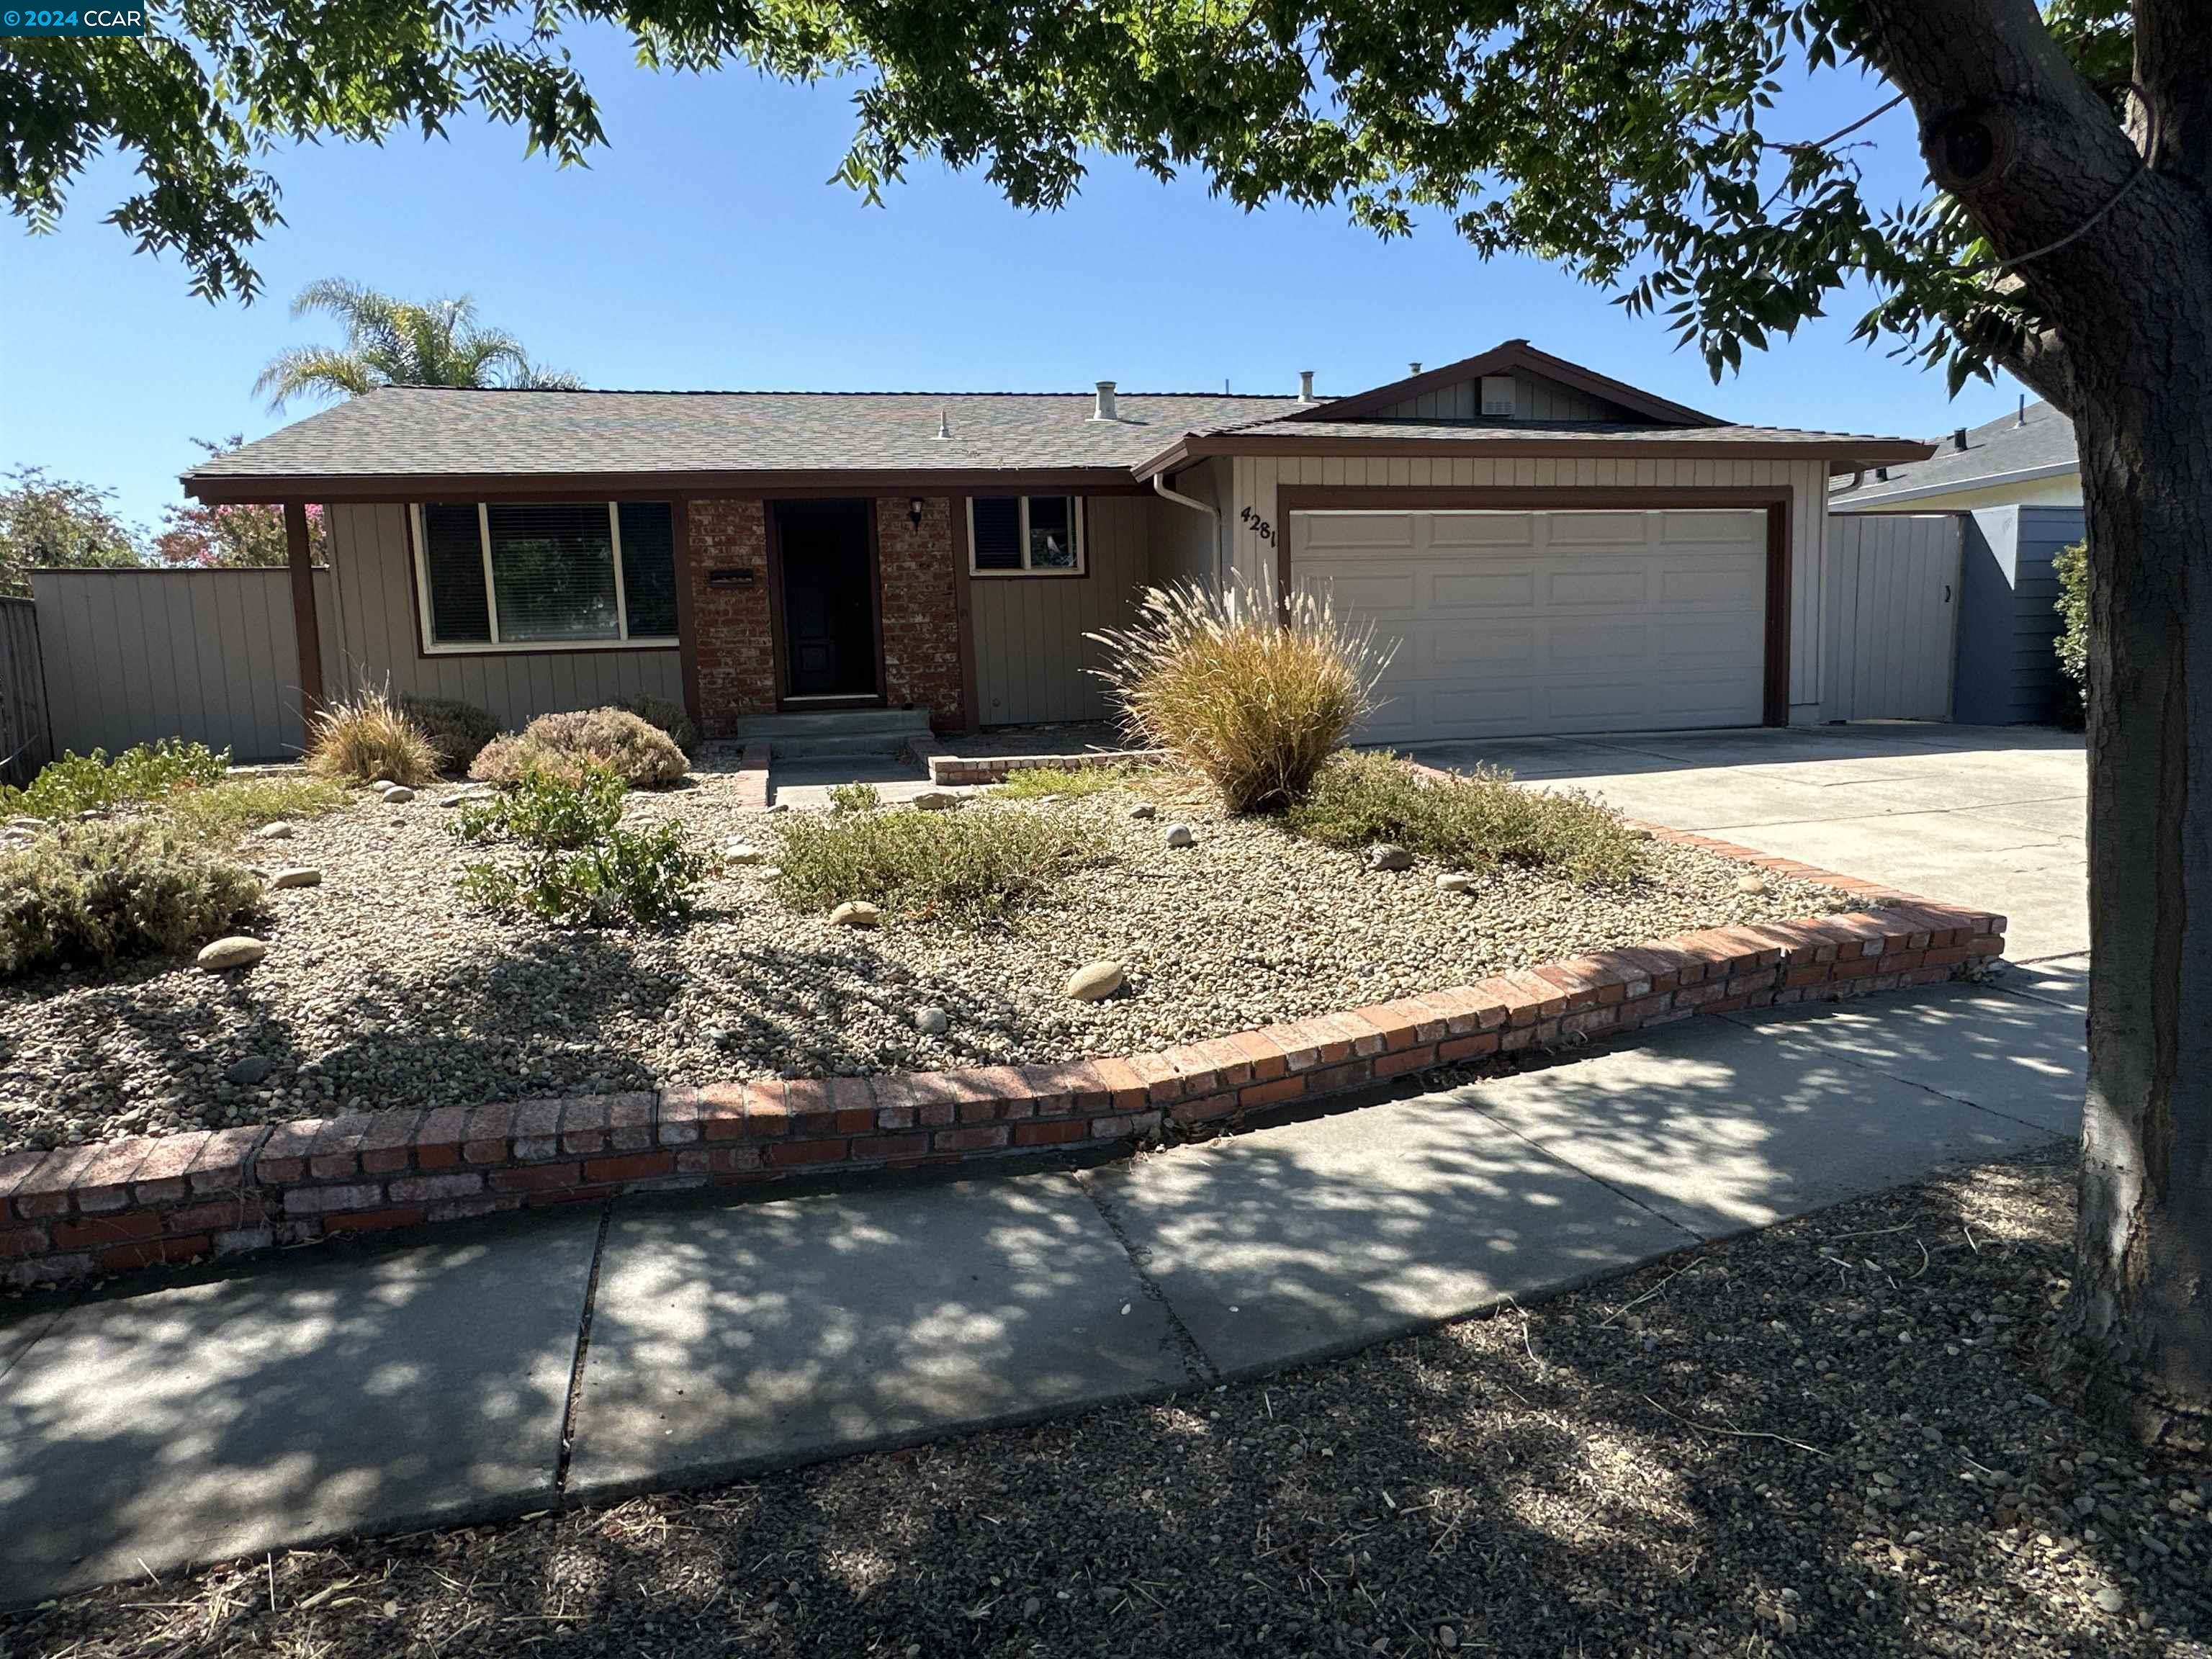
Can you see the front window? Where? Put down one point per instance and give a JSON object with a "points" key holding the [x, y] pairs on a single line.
{"points": [[504, 575], [1025, 536]]}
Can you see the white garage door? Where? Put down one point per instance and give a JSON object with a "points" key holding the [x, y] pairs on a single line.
{"points": [[1527, 623]]}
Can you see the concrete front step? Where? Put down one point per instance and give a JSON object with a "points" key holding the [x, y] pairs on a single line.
{"points": [[827, 734]]}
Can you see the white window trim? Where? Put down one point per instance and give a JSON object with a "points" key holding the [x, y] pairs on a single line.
{"points": [[432, 646], [1076, 512]]}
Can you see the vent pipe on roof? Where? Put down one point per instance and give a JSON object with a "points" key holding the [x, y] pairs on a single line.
{"points": [[2022, 420], [1305, 386], [1104, 411], [944, 423], [1412, 368], [1959, 439]]}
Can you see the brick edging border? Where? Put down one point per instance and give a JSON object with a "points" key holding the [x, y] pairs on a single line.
{"points": [[80, 1212], [946, 768]]}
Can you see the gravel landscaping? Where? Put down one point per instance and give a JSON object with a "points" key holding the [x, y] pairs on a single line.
{"points": [[383, 989], [1828, 1438]]}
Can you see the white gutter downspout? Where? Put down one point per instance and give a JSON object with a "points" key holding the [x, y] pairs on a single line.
{"points": [[1160, 489]]}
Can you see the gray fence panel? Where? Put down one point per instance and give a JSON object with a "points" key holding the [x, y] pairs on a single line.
{"points": [[2008, 670], [211, 656], [1891, 611], [26, 745]]}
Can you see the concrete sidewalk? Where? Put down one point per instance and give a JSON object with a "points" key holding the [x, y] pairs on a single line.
{"points": [[499, 1372]]}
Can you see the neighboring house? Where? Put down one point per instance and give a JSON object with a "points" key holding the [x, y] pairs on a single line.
{"points": [[2025, 459], [1551, 550]]}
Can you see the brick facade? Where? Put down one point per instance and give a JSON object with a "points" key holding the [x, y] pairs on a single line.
{"points": [[733, 625], [921, 615]]}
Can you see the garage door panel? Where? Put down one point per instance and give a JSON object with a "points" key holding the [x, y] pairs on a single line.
{"points": [[1583, 644], [1360, 530], [1488, 590], [1478, 529], [1734, 588], [1596, 529], [1618, 589], [1514, 623]]}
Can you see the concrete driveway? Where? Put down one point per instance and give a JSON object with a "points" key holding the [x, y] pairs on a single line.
{"points": [[1979, 815]]}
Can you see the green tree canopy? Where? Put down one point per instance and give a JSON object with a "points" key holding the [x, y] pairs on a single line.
{"points": [[395, 343], [48, 523]]}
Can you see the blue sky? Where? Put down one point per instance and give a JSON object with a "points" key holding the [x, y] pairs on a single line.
{"points": [[704, 248]]}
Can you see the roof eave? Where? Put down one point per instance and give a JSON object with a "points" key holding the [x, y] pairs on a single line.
{"points": [[1958, 486], [241, 488], [1843, 452]]}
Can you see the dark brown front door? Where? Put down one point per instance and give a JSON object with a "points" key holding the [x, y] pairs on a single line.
{"points": [[829, 598]]}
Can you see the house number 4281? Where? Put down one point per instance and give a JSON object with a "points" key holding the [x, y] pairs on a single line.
{"points": [[1260, 527]]}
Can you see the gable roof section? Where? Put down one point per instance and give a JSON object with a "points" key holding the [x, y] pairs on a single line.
{"points": [[1505, 358], [2012, 449]]}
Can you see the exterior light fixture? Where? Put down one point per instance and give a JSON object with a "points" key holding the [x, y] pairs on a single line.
{"points": [[914, 512]]}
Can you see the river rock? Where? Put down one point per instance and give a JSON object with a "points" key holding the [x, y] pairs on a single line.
{"points": [[1752, 885], [932, 1022], [249, 1071], [1388, 855], [399, 794], [856, 912], [1181, 835], [301, 876], [1457, 881], [233, 951], [1144, 809], [1095, 981], [742, 851], [936, 800], [279, 829]]}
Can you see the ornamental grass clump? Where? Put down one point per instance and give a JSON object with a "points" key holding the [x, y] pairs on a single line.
{"points": [[1253, 696], [142, 774], [569, 745], [1467, 820], [98, 891], [368, 736], [579, 865], [971, 867]]}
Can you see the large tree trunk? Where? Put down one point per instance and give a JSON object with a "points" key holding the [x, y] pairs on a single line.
{"points": [[2105, 238], [2139, 1327]]}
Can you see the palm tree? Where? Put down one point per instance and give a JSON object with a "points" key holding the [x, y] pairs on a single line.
{"points": [[393, 343]]}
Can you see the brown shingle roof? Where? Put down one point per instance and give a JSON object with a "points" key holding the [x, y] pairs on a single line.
{"points": [[398, 432]]}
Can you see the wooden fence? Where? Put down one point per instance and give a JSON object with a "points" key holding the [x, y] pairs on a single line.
{"points": [[207, 655], [26, 745]]}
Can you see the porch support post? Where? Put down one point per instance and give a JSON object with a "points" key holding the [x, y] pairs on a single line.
{"points": [[963, 605], [306, 627]]}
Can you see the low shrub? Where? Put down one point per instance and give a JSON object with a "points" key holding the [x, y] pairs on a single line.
{"points": [[457, 730], [853, 798], [682, 730], [369, 735], [1066, 782], [973, 867], [1470, 821], [2071, 567], [145, 772], [580, 867], [1254, 699], [93, 892], [222, 814], [568, 745]]}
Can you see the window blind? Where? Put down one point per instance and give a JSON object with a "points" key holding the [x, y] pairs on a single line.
{"points": [[998, 532], [553, 572]]}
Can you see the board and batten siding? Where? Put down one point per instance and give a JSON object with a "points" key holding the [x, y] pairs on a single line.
{"points": [[209, 656], [1032, 657], [1184, 545], [1533, 400], [1258, 476], [377, 635]]}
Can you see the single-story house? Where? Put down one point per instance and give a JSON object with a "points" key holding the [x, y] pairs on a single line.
{"points": [[2025, 459], [1550, 549]]}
